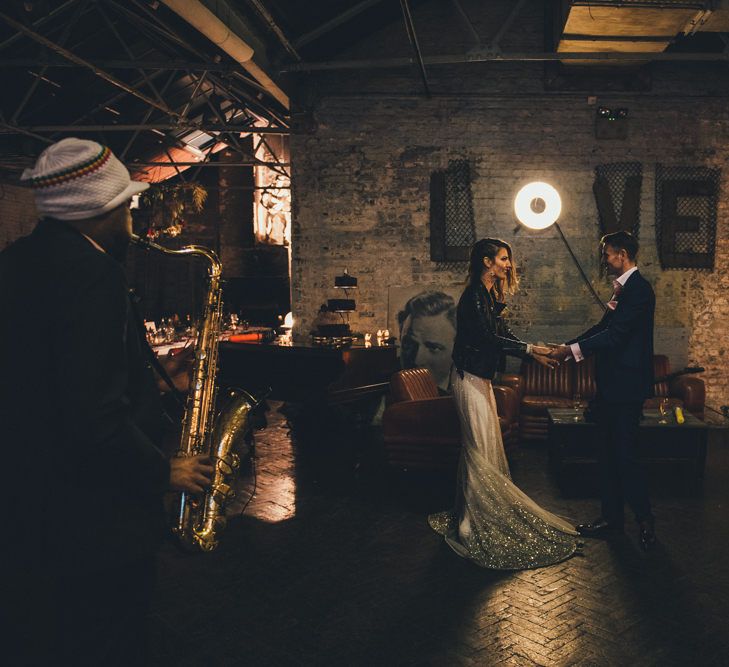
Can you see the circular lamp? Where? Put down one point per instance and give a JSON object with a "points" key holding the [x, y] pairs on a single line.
{"points": [[531, 194]]}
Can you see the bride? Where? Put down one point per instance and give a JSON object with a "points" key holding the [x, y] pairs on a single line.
{"points": [[493, 523]]}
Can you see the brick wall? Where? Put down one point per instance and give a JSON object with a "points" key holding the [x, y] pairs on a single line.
{"points": [[361, 183], [17, 213]]}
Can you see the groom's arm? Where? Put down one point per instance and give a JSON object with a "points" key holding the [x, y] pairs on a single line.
{"points": [[571, 349], [597, 328], [574, 344], [626, 318]]}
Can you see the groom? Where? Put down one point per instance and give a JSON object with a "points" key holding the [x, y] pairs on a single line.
{"points": [[622, 343]]}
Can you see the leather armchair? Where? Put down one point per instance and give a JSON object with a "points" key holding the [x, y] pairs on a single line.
{"points": [[421, 429], [686, 391], [539, 388]]}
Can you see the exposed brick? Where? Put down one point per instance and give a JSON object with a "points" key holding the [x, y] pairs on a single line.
{"points": [[361, 183]]}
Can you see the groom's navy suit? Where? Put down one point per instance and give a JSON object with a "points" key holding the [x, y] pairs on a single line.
{"points": [[622, 343]]}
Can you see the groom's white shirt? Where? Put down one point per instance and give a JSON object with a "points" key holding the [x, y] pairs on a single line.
{"points": [[575, 347]]}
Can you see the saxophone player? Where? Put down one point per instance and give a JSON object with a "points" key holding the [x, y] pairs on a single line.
{"points": [[81, 421]]}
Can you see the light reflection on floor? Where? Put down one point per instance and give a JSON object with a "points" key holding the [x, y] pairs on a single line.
{"points": [[275, 500], [275, 497], [336, 565]]}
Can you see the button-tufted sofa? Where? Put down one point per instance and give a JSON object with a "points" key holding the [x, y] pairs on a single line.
{"points": [[539, 388]]}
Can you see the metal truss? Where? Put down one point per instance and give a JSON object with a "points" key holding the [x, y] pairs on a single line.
{"points": [[488, 56], [229, 98], [344, 17], [493, 53], [413, 37]]}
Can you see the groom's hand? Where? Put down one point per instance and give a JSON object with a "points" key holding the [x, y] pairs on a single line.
{"points": [[560, 353], [540, 354]]}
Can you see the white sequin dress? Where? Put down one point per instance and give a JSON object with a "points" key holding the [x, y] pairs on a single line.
{"points": [[493, 523]]}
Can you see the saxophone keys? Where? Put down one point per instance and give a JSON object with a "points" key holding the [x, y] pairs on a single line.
{"points": [[222, 493], [228, 464]]}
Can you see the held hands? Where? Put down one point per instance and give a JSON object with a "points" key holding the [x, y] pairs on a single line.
{"points": [[541, 354], [190, 473], [560, 352]]}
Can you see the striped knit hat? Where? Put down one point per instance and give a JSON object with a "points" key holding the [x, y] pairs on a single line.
{"points": [[75, 179]]}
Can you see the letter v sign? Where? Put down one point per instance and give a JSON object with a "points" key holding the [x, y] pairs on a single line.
{"points": [[630, 209]]}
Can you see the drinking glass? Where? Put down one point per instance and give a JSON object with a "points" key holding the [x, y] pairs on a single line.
{"points": [[663, 409], [577, 405]]}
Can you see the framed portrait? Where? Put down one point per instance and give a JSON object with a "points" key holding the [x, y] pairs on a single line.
{"points": [[423, 318]]}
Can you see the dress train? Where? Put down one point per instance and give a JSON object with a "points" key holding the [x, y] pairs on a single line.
{"points": [[494, 523]]}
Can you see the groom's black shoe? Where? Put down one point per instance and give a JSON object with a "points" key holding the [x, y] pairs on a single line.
{"points": [[647, 535], [599, 528]]}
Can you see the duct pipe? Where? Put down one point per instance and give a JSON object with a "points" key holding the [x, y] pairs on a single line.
{"points": [[201, 18]]}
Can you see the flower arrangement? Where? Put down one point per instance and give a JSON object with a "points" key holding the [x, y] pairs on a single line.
{"points": [[166, 206]]}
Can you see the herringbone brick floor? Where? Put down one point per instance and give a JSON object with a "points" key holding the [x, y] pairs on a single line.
{"points": [[333, 563]]}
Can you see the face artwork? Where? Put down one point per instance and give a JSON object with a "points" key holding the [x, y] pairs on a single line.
{"points": [[427, 340]]}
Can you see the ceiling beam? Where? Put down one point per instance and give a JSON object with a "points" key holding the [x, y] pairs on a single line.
{"points": [[41, 75], [28, 133], [477, 57], [171, 64], [114, 81], [496, 41], [275, 28], [467, 22], [149, 22], [335, 22], [616, 38], [85, 63], [209, 25], [150, 126], [413, 37], [40, 22]]}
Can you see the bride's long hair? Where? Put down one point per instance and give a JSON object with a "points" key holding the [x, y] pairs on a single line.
{"points": [[490, 248]]}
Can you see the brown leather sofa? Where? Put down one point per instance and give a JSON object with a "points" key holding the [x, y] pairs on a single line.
{"points": [[539, 388], [421, 429]]}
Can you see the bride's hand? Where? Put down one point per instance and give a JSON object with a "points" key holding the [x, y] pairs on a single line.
{"points": [[545, 361]]}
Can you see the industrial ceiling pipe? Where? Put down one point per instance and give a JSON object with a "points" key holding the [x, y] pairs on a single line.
{"points": [[201, 18]]}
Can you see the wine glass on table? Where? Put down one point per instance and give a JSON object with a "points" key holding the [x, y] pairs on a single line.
{"points": [[577, 405], [663, 409]]}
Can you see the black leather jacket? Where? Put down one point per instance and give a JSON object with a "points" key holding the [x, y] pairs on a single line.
{"points": [[482, 337]]}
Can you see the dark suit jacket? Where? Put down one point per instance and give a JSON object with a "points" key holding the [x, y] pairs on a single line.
{"points": [[622, 343], [482, 336], [79, 409]]}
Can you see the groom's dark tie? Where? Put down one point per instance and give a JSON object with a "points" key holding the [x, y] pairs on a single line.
{"points": [[617, 287]]}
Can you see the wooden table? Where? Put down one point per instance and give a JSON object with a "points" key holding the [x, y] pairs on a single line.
{"points": [[673, 453], [332, 394], [309, 373]]}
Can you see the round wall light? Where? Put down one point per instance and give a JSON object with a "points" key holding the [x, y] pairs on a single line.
{"points": [[537, 205]]}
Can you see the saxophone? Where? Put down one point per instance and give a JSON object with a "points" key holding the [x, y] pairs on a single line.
{"points": [[201, 519]]}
